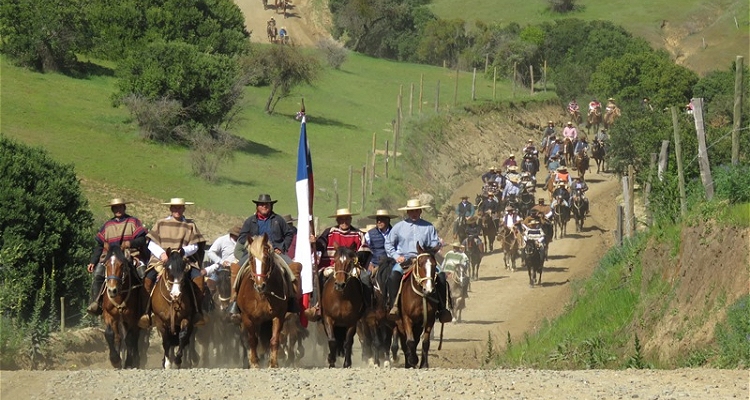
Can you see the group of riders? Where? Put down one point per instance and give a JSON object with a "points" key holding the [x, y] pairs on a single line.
{"points": [[273, 32]]}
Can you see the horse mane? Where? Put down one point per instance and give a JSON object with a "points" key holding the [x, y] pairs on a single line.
{"points": [[258, 246]]}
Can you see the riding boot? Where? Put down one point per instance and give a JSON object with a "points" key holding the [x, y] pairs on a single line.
{"points": [[198, 318], [394, 284], [364, 279], [313, 313], [443, 314], [96, 290], [145, 321]]}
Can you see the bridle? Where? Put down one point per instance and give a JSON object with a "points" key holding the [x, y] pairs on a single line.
{"points": [[258, 274], [124, 277]]}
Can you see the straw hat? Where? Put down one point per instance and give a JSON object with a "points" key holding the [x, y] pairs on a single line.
{"points": [[118, 201], [514, 179], [456, 244], [562, 168], [414, 204], [178, 201], [569, 123], [368, 228], [509, 208], [512, 155], [513, 168], [235, 231], [610, 99], [342, 212], [534, 222], [288, 218], [550, 122], [472, 220], [264, 198], [382, 214]]}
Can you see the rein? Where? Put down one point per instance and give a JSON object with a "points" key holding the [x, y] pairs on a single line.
{"points": [[120, 306], [271, 269]]}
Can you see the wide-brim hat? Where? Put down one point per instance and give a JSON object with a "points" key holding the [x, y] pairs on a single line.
{"points": [[511, 155], [513, 168], [560, 183], [382, 213], [464, 197], [288, 218], [264, 198], [509, 208], [235, 230], [533, 222], [178, 201], [456, 244], [569, 123], [414, 204], [342, 212], [530, 141], [610, 99], [514, 179], [368, 228], [562, 168], [118, 201], [550, 122]]}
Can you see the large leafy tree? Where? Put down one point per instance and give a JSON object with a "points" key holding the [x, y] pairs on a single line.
{"points": [[206, 85], [45, 232], [283, 68], [442, 40], [44, 35]]}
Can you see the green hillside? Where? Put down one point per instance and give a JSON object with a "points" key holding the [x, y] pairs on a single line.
{"points": [[74, 120], [678, 26]]}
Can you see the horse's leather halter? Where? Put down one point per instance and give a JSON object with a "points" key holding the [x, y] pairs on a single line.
{"points": [[272, 266], [125, 272]]}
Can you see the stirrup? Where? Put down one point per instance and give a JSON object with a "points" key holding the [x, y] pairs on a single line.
{"points": [[145, 321], [94, 309]]}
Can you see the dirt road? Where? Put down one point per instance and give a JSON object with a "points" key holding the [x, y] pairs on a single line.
{"points": [[305, 24]]}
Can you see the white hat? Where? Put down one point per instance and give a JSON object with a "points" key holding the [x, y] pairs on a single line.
{"points": [[414, 204], [118, 201], [342, 212], [178, 201]]}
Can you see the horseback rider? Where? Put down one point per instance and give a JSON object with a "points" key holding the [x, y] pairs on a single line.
{"points": [[465, 209], [564, 199], [611, 106], [490, 206], [582, 147], [454, 258], [593, 105], [532, 230], [548, 131], [511, 219], [512, 189], [221, 254], [554, 163], [528, 148], [473, 232], [570, 132], [601, 136], [401, 245], [556, 148], [124, 230], [563, 175], [280, 236], [510, 161], [175, 232], [343, 234], [579, 189], [490, 175], [573, 107], [271, 22], [375, 237]]}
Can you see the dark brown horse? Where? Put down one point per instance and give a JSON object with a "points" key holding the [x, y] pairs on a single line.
{"points": [[458, 281], [262, 298], [122, 304], [610, 117], [534, 259], [342, 304], [417, 307], [566, 153], [578, 209], [173, 307], [598, 153], [376, 333], [562, 216], [582, 163], [489, 231]]}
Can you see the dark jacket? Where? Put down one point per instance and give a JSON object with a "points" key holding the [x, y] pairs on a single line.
{"points": [[280, 235]]}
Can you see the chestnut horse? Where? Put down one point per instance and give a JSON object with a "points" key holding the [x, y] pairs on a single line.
{"points": [[458, 280], [582, 163], [173, 307], [510, 242], [566, 154], [342, 304], [417, 310], [594, 119], [262, 298], [578, 209], [122, 305]]}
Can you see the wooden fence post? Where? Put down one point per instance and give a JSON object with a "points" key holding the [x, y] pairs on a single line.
{"points": [[515, 64], [678, 157], [62, 314], [455, 90], [531, 74], [386, 159], [421, 90], [631, 203], [663, 158], [437, 98], [363, 182], [474, 85], [738, 67], [705, 167], [627, 228], [618, 230], [647, 191], [336, 192], [411, 99]]}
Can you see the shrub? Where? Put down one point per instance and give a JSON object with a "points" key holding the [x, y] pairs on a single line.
{"points": [[732, 182], [334, 54], [561, 6], [733, 336], [157, 119]]}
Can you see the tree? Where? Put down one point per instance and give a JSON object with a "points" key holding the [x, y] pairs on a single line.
{"points": [[45, 232], [284, 68], [44, 35], [442, 40], [206, 85]]}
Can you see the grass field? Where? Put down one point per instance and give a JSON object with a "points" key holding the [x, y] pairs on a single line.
{"points": [[689, 22], [74, 120]]}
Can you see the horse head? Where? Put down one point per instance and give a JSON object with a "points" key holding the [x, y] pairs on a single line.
{"points": [[224, 286], [345, 265], [174, 272], [117, 269], [425, 268], [261, 262]]}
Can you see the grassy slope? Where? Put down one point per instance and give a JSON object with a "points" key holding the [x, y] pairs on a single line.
{"points": [[693, 19], [73, 119]]}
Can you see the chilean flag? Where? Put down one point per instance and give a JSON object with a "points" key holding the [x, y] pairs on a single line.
{"points": [[305, 190]]}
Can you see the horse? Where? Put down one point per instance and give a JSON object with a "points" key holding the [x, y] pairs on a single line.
{"points": [[265, 4], [567, 152], [489, 231], [173, 308], [575, 116], [475, 255], [459, 228], [594, 119], [376, 333], [220, 334], [458, 282], [598, 152], [342, 304], [610, 117], [581, 163], [272, 33], [509, 239], [418, 307], [562, 216], [262, 298], [534, 260], [525, 202], [578, 208], [122, 305]]}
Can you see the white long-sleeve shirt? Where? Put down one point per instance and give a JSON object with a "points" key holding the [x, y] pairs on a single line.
{"points": [[220, 251]]}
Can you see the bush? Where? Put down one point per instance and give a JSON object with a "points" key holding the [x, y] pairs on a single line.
{"points": [[334, 54], [733, 336], [45, 234], [157, 118], [561, 6], [732, 182]]}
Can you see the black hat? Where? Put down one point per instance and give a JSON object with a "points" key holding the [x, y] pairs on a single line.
{"points": [[264, 198]]}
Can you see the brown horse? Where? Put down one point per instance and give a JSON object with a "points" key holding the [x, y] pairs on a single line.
{"points": [[598, 153], [173, 308], [510, 240], [271, 32], [375, 331], [458, 282], [562, 216], [262, 298], [417, 310], [567, 151], [122, 305], [594, 119], [610, 117], [582, 163], [578, 209], [342, 304], [489, 231]]}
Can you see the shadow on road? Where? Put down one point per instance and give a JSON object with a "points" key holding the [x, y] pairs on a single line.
{"points": [[551, 284], [560, 257], [479, 322], [555, 269], [455, 340]]}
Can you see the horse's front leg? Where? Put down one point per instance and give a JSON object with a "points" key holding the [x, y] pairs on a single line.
{"points": [[251, 341], [409, 344], [424, 363], [113, 341], [278, 323], [131, 345], [348, 343], [332, 345], [183, 341]]}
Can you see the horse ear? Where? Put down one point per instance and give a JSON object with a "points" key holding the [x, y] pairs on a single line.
{"points": [[420, 249]]}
